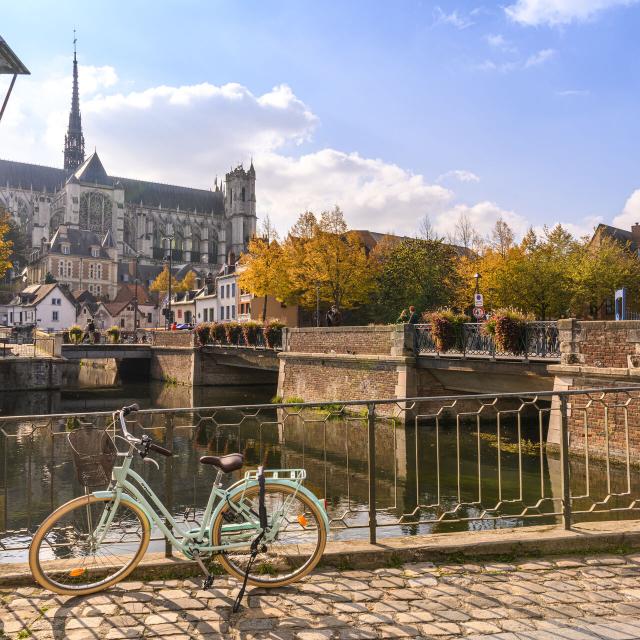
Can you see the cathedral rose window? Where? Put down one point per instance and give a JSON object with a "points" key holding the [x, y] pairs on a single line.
{"points": [[95, 212]]}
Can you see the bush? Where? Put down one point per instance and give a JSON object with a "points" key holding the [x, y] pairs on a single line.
{"points": [[75, 334], [273, 333], [216, 332], [447, 328], [114, 333], [203, 331], [508, 329], [233, 332], [251, 330]]}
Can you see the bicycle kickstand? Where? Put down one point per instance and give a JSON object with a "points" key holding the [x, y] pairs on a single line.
{"points": [[208, 578]]}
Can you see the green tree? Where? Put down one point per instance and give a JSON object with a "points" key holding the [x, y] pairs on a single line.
{"points": [[412, 272]]}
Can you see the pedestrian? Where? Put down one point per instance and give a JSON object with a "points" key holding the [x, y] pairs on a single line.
{"points": [[89, 331], [334, 316], [413, 315], [403, 317]]}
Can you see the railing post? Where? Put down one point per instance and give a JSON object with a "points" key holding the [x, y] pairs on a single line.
{"points": [[564, 459], [371, 431], [168, 479], [526, 342]]}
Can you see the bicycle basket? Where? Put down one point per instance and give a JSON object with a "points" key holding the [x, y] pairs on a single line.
{"points": [[94, 455]]}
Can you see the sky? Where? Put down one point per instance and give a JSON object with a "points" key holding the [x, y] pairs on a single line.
{"points": [[525, 110]]}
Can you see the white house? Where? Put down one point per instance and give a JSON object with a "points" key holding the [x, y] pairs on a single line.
{"points": [[49, 307], [206, 302]]}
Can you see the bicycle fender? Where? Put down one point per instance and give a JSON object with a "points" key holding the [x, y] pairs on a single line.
{"points": [[123, 498], [241, 485]]}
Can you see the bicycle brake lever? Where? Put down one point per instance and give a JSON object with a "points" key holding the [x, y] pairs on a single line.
{"points": [[153, 462]]}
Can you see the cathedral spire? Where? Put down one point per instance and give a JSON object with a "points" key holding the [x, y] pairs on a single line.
{"points": [[74, 140]]}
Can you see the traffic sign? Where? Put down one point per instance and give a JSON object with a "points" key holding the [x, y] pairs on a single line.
{"points": [[478, 313], [478, 300]]}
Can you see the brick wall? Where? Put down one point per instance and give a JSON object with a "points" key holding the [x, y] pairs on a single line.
{"points": [[599, 344], [378, 340], [174, 338]]}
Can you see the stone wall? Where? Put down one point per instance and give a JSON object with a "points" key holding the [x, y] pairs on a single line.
{"points": [[173, 365], [30, 373], [180, 338], [376, 340]]}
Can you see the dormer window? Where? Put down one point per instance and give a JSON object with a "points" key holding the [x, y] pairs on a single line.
{"points": [[95, 252], [66, 250]]}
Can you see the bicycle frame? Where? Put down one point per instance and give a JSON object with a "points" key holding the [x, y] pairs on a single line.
{"points": [[196, 540]]}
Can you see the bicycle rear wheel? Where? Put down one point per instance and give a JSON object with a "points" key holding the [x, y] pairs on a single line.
{"points": [[297, 548], [65, 556]]}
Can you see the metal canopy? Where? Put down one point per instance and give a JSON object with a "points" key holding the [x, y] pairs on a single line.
{"points": [[9, 61]]}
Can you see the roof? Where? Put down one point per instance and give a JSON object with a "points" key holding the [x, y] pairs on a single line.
{"points": [[621, 235], [83, 295], [92, 171], [36, 293], [80, 242], [24, 175], [127, 293], [9, 61]]}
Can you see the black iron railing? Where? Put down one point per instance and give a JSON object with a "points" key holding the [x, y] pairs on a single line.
{"points": [[536, 340]]}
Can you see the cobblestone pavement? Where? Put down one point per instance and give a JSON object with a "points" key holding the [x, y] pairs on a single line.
{"points": [[572, 599]]}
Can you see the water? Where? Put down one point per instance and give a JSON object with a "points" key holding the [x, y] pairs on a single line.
{"points": [[422, 472]]}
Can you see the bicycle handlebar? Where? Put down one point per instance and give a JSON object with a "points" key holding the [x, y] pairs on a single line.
{"points": [[161, 450], [145, 440]]}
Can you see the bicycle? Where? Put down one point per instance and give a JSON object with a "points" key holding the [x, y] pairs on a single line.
{"points": [[267, 529]]}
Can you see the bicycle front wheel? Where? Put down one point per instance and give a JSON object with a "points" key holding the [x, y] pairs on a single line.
{"points": [[296, 549], [73, 553]]}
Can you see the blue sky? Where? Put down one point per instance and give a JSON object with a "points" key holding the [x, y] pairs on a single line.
{"points": [[526, 109]]}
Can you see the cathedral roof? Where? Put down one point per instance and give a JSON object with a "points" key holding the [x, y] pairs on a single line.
{"points": [[23, 175], [92, 171]]}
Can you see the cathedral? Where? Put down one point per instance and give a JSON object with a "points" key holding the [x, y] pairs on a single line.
{"points": [[210, 227]]}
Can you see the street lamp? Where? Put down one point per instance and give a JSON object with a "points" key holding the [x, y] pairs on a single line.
{"points": [[135, 295], [477, 276], [170, 239], [10, 64]]}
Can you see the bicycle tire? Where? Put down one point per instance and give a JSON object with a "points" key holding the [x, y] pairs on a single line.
{"points": [[45, 570]]}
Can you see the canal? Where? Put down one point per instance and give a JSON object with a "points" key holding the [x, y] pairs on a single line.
{"points": [[435, 477]]}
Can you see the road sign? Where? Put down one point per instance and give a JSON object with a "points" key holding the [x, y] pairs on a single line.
{"points": [[478, 300], [478, 313]]}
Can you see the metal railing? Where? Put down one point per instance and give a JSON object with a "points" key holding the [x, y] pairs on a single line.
{"points": [[537, 340], [34, 346], [386, 467]]}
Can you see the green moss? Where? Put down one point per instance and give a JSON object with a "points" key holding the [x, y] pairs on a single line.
{"points": [[294, 400], [276, 400]]}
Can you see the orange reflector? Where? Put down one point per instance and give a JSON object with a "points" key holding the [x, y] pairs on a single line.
{"points": [[74, 573], [302, 520]]}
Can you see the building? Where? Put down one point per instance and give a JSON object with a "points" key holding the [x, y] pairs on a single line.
{"points": [[121, 312], [78, 259], [49, 307], [210, 227]]}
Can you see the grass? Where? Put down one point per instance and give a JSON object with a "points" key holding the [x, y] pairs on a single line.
{"points": [[170, 380], [294, 400]]}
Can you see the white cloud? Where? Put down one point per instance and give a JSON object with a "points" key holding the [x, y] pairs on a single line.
{"points": [[186, 135], [631, 212], [454, 19], [568, 93], [482, 216], [458, 174], [500, 43], [559, 12], [539, 58]]}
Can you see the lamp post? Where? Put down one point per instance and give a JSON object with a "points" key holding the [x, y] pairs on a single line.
{"points": [[170, 239], [477, 276], [135, 295]]}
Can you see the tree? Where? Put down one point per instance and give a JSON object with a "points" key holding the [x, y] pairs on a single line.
{"points": [[49, 279], [598, 271], [187, 283], [426, 230], [502, 237], [6, 245], [161, 284], [465, 235], [413, 272]]}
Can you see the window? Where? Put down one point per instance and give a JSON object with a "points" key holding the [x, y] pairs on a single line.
{"points": [[99, 272], [221, 313], [233, 290], [228, 290], [95, 252], [205, 314], [65, 249], [98, 289], [149, 318], [68, 269], [233, 311], [242, 194], [61, 268], [122, 322], [54, 316], [222, 291]]}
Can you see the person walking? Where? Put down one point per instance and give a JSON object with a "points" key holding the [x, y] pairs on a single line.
{"points": [[334, 317], [89, 331], [413, 315]]}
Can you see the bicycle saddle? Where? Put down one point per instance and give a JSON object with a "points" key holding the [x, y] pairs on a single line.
{"points": [[227, 464]]}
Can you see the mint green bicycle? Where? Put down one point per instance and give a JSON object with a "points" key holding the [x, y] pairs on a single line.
{"points": [[267, 529]]}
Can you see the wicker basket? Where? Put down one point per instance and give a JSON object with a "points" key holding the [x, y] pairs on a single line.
{"points": [[94, 455]]}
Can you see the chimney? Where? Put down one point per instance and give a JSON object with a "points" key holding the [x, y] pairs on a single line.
{"points": [[635, 234]]}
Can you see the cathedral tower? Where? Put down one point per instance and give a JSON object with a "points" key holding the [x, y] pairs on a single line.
{"points": [[240, 208], [74, 140]]}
